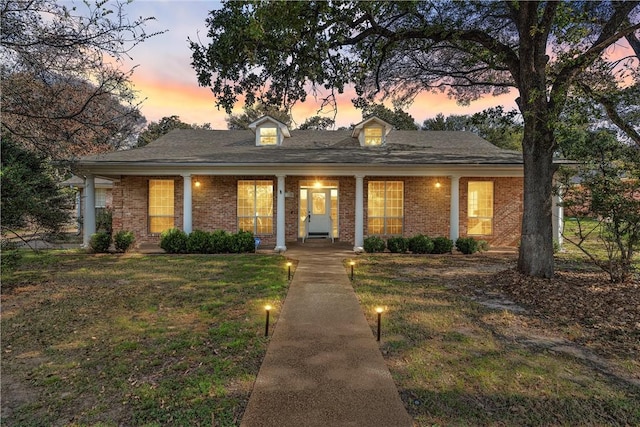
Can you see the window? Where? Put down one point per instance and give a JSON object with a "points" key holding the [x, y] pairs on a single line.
{"points": [[101, 197], [268, 136], [480, 208], [160, 205], [255, 206], [372, 136], [385, 207]]}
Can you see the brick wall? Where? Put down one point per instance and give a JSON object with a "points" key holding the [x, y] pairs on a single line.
{"points": [[426, 206]]}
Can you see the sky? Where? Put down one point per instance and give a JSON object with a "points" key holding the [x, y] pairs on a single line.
{"points": [[167, 84]]}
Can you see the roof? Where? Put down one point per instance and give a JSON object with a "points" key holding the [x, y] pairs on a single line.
{"points": [[238, 147]]}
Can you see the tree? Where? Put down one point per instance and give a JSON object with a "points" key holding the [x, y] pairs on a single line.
{"points": [[453, 122], [502, 129], [278, 52], [398, 118], [63, 93], [317, 123], [602, 195], [31, 197], [155, 130], [253, 113]]}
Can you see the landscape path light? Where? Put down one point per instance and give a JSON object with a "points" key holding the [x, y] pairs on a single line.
{"points": [[352, 264], [289, 264], [266, 324], [379, 310]]}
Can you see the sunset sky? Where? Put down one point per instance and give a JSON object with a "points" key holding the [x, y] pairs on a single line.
{"points": [[166, 82]]}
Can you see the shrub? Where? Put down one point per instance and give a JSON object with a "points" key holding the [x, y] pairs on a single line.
{"points": [[174, 241], [199, 242], [104, 220], [100, 242], [374, 244], [397, 244], [242, 242], [219, 242], [420, 244], [483, 245], [467, 245], [123, 240], [9, 255], [442, 245]]}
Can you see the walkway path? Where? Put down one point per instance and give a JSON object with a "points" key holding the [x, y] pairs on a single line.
{"points": [[323, 366]]}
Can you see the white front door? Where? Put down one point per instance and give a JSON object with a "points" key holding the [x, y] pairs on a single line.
{"points": [[319, 208]]}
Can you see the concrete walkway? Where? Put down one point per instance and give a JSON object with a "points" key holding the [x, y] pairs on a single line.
{"points": [[323, 366]]}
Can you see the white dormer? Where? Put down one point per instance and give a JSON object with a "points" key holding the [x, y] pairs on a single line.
{"points": [[371, 132], [269, 131]]}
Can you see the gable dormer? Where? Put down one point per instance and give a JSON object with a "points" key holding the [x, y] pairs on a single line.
{"points": [[269, 131], [371, 132]]}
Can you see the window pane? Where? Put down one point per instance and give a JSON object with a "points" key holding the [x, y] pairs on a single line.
{"points": [[303, 212], [264, 225], [480, 208], [334, 211], [264, 198], [101, 197], [385, 207], [161, 205], [255, 206], [376, 226], [268, 136], [372, 135], [246, 224], [376, 199], [319, 203], [394, 226]]}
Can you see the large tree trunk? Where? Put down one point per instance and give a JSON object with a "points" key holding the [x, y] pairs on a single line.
{"points": [[536, 246]]}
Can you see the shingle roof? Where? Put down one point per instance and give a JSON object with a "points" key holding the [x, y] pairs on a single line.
{"points": [[218, 147]]}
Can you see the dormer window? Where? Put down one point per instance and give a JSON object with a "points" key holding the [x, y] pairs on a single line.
{"points": [[373, 135], [371, 132], [268, 136], [269, 131]]}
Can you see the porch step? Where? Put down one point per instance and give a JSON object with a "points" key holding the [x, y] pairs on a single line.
{"points": [[320, 235]]}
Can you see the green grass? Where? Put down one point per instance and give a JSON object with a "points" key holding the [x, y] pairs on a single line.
{"points": [[133, 339], [457, 363]]}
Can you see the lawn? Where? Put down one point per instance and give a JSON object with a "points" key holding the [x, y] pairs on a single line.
{"points": [[133, 339], [567, 353]]}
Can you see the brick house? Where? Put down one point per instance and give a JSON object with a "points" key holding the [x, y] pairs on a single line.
{"points": [[286, 186]]}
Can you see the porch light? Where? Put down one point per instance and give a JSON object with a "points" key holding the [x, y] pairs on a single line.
{"points": [[197, 183], [266, 325], [379, 310], [317, 184], [438, 185]]}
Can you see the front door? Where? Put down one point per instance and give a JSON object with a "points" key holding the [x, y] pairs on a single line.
{"points": [[319, 208]]}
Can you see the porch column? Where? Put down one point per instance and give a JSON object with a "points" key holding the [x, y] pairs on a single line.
{"points": [[359, 220], [454, 215], [187, 221], [89, 221], [558, 218], [280, 223]]}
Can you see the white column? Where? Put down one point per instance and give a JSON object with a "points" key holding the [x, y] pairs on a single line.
{"points": [[454, 215], [280, 223], [558, 219], [187, 221], [89, 220], [359, 220]]}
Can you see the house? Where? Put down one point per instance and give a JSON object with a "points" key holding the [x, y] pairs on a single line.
{"points": [[289, 185], [102, 197]]}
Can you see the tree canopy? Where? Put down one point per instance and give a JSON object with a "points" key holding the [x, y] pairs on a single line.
{"points": [[397, 117], [279, 52], [251, 113], [155, 130], [63, 92]]}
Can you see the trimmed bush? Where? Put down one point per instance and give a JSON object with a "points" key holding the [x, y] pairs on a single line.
{"points": [[174, 241], [467, 245], [100, 242], [219, 242], [242, 242], [397, 244], [420, 244], [123, 240], [442, 245], [483, 245], [373, 244], [199, 242]]}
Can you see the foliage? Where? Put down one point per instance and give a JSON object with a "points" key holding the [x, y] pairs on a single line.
{"points": [[199, 242], [174, 241], [155, 130], [483, 245], [254, 112], [241, 242], [398, 118], [278, 53], [317, 123], [62, 93], [30, 194], [397, 244], [420, 244], [442, 245], [373, 244], [123, 240], [467, 245], [603, 195], [220, 242], [104, 220], [100, 242]]}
